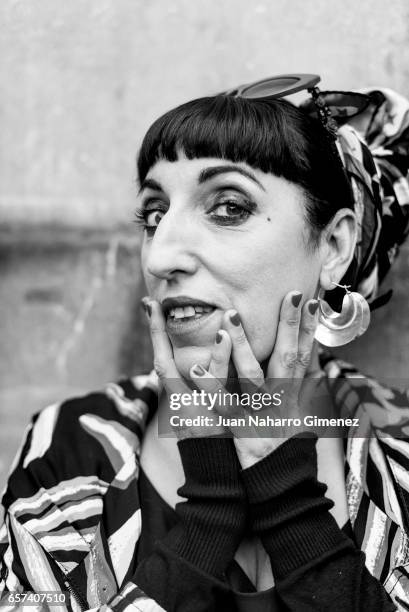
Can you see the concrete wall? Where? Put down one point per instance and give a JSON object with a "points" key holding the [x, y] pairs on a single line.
{"points": [[80, 82]]}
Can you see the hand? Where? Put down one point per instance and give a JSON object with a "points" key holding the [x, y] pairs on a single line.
{"points": [[289, 360], [170, 378]]}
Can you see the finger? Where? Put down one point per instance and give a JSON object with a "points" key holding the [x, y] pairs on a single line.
{"points": [[163, 360], [224, 402], [220, 402], [284, 356], [248, 368], [309, 387], [308, 325], [219, 363]]}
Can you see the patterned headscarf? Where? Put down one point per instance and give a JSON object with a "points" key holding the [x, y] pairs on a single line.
{"points": [[373, 141]]}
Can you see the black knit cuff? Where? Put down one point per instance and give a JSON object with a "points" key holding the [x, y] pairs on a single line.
{"points": [[288, 508], [291, 463], [212, 520], [211, 468]]}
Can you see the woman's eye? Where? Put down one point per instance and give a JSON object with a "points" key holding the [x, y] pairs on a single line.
{"points": [[150, 219], [153, 218], [149, 214], [229, 212]]}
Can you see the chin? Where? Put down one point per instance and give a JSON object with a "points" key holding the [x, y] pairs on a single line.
{"points": [[186, 357]]}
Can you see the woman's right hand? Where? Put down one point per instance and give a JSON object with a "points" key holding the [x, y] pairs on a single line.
{"points": [[171, 380]]}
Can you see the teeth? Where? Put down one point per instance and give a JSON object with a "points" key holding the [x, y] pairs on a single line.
{"points": [[187, 312], [179, 313]]}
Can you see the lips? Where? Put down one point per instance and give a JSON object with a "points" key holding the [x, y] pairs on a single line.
{"points": [[185, 315], [184, 308]]}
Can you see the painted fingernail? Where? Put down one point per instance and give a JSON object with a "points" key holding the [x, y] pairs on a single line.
{"points": [[296, 299], [312, 307], [198, 370], [148, 309], [235, 319], [219, 338]]}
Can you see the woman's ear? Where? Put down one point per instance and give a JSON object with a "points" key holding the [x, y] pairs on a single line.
{"points": [[338, 242]]}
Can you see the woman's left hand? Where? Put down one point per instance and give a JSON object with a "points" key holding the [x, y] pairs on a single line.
{"points": [[286, 368]]}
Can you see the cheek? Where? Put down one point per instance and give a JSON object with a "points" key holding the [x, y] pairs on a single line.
{"points": [[265, 280]]}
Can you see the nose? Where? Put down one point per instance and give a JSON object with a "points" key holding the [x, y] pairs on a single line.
{"points": [[172, 251]]}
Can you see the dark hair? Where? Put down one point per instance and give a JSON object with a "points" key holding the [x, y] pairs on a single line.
{"points": [[270, 135]]}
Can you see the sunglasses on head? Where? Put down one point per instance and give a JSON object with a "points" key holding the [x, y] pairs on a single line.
{"points": [[332, 107]]}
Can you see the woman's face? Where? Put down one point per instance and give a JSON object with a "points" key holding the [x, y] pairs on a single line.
{"points": [[222, 235]]}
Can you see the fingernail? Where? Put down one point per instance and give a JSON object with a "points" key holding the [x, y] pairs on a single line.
{"points": [[148, 309], [219, 338], [296, 299], [312, 307], [198, 370], [235, 319]]}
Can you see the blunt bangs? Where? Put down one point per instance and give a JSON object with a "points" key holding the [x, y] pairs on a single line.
{"points": [[266, 135], [273, 136]]}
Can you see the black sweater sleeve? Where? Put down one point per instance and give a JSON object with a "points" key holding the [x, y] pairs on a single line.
{"points": [[315, 565], [186, 570]]}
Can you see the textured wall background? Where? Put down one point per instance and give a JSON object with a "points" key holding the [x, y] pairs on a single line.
{"points": [[80, 82]]}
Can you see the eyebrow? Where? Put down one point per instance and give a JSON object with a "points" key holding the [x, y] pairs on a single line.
{"points": [[150, 184], [209, 173], [205, 175]]}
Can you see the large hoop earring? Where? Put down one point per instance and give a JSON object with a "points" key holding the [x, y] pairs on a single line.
{"points": [[338, 328]]}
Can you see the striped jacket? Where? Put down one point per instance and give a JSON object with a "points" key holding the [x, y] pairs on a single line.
{"points": [[72, 513]]}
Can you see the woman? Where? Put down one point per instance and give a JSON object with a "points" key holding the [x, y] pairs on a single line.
{"points": [[250, 212]]}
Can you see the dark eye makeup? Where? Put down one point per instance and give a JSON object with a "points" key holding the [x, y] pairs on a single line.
{"points": [[149, 214], [228, 206], [231, 208]]}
